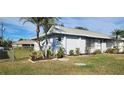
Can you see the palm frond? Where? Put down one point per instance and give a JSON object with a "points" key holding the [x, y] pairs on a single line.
{"points": [[27, 19]]}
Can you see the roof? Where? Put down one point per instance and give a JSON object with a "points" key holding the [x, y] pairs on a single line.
{"points": [[77, 32], [25, 42]]}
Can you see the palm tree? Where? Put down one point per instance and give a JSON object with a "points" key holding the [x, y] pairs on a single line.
{"points": [[122, 33], [37, 21], [47, 22], [117, 33]]}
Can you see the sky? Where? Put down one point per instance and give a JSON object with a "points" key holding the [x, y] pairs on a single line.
{"points": [[15, 29]]}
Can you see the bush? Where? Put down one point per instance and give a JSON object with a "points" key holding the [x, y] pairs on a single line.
{"points": [[71, 52], [112, 50], [60, 53], [98, 51], [115, 51], [50, 53], [3, 54], [43, 51], [40, 55], [37, 55], [33, 55], [77, 51], [7, 43], [88, 50]]}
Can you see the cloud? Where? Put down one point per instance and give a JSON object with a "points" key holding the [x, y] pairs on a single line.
{"points": [[98, 24], [15, 28]]}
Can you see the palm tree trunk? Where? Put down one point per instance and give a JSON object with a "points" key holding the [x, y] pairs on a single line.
{"points": [[117, 42], [38, 38], [46, 47]]}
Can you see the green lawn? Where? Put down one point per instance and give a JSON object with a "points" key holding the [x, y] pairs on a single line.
{"points": [[95, 64]]}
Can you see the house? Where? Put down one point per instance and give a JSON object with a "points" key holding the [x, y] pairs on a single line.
{"points": [[26, 44], [70, 39]]}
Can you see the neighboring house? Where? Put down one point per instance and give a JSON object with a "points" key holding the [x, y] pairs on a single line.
{"points": [[26, 44], [70, 39]]}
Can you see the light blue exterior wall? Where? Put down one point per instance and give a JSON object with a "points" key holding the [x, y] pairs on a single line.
{"points": [[68, 42], [71, 42]]}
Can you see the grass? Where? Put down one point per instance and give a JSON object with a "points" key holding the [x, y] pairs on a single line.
{"points": [[19, 53], [22, 52], [103, 64]]}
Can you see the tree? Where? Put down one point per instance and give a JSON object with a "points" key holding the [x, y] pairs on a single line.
{"points": [[122, 33], [21, 39], [62, 25], [81, 28], [118, 33], [47, 22], [37, 21], [7, 43]]}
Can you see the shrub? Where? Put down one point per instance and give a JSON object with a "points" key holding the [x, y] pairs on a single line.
{"points": [[7, 43], [88, 50], [112, 50], [71, 52], [43, 51], [50, 53], [33, 55], [40, 55], [77, 51], [98, 51], [37, 55], [109, 50], [60, 53], [3, 54], [115, 51]]}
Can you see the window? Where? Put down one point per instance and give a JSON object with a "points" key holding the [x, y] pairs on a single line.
{"points": [[104, 41], [90, 43], [59, 39], [109, 44], [27, 45]]}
